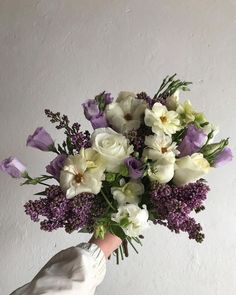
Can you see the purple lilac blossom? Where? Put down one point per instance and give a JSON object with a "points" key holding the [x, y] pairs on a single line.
{"points": [[192, 142], [60, 212], [134, 167], [223, 157], [40, 140], [55, 166], [173, 205], [79, 138], [13, 167]]}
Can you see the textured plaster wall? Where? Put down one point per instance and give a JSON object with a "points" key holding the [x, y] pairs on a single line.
{"points": [[54, 54]]}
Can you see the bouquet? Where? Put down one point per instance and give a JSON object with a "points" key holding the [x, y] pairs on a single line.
{"points": [[143, 163]]}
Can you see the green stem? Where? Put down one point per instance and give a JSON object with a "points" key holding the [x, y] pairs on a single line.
{"points": [[108, 202]]}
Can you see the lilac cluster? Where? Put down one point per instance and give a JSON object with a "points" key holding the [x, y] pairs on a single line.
{"points": [[137, 137], [172, 206], [79, 138], [150, 101], [58, 211]]}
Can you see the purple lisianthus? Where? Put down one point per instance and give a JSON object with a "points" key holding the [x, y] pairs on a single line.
{"points": [[91, 109], [135, 167], [40, 140], [13, 167], [108, 98], [223, 157], [55, 166], [99, 121], [192, 142]]}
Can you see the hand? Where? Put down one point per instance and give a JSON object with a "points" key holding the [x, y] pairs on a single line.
{"points": [[109, 244]]}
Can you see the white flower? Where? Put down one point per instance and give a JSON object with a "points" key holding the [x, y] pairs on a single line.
{"points": [[159, 146], [186, 112], [126, 112], [113, 147], [161, 170], [132, 219], [128, 193], [190, 168], [172, 101], [160, 119], [82, 173]]}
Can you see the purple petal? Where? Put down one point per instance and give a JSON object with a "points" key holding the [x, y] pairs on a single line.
{"points": [[223, 157], [99, 122], [40, 140], [55, 166], [13, 167], [134, 167], [91, 109]]}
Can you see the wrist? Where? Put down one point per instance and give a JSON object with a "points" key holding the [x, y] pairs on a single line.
{"points": [[109, 244]]}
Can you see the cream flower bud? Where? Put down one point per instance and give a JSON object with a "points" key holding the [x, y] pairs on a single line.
{"points": [[190, 168]]}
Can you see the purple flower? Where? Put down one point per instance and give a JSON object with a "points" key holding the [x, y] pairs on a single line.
{"points": [[13, 167], [192, 142], [134, 167], [91, 109], [108, 98], [40, 140], [223, 157], [99, 121], [55, 166]]}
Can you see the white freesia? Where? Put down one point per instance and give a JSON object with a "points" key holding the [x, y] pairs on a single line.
{"points": [[126, 112], [159, 146], [128, 193], [190, 168], [160, 119], [83, 172], [113, 147], [132, 219], [172, 102], [162, 170]]}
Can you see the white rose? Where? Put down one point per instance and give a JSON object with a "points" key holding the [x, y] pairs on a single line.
{"points": [[190, 168], [126, 112], [128, 193], [82, 173], [113, 147], [162, 170], [132, 219]]}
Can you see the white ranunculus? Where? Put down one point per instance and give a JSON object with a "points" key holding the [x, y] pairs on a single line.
{"points": [[159, 146], [172, 101], [113, 147], [132, 219], [128, 193], [83, 172], [160, 119], [162, 170], [126, 112], [190, 168]]}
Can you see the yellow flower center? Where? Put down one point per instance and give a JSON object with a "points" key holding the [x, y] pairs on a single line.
{"points": [[78, 177], [163, 119], [164, 150], [128, 117]]}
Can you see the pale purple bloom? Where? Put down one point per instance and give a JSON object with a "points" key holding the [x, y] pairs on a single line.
{"points": [[55, 166], [108, 98], [134, 167], [13, 167], [91, 109], [40, 140], [192, 142], [99, 121], [223, 157]]}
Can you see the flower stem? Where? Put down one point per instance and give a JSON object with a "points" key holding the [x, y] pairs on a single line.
{"points": [[108, 202]]}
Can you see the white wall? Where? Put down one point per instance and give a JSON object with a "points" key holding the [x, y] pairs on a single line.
{"points": [[54, 54]]}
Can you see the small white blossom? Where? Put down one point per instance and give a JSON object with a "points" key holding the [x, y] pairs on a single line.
{"points": [[128, 193], [126, 112], [132, 219], [160, 119]]}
